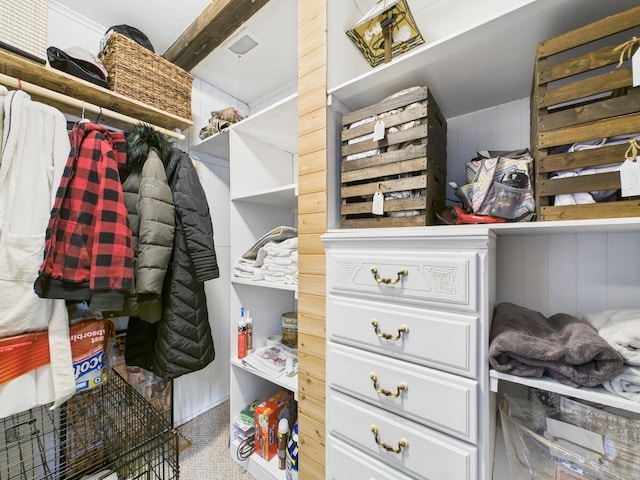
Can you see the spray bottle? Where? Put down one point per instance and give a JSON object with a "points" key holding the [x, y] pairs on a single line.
{"points": [[283, 437]]}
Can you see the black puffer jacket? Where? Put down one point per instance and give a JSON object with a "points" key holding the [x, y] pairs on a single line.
{"points": [[181, 342]]}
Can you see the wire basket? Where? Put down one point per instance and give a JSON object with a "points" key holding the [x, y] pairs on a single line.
{"points": [[140, 74], [110, 432]]}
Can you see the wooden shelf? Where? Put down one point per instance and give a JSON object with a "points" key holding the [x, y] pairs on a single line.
{"points": [[29, 71]]}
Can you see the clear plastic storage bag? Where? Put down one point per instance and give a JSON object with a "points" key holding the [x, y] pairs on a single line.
{"points": [[534, 454]]}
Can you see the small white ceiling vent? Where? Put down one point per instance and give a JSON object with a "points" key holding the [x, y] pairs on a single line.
{"points": [[244, 42]]}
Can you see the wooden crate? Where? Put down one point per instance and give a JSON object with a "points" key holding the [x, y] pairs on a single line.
{"points": [[580, 94], [408, 163]]}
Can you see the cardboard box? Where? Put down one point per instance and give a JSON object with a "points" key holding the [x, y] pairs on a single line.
{"points": [[266, 418], [21, 354]]}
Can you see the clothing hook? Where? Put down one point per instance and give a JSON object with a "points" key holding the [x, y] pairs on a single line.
{"points": [[99, 115], [83, 110]]}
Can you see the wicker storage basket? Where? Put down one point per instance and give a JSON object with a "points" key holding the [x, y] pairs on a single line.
{"points": [[23, 25], [142, 75]]}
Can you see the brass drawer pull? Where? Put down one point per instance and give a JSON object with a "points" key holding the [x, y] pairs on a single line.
{"points": [[387, 393], [401, 443], [388, 281], [388, 336]]}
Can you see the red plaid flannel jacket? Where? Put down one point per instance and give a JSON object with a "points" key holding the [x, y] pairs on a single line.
{"points": [[89, 250]]}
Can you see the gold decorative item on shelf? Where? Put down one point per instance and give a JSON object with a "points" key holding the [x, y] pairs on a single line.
{"points": [[388, 29]]}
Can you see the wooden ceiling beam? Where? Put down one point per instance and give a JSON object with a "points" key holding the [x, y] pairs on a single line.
{"points": [[212, 27]]}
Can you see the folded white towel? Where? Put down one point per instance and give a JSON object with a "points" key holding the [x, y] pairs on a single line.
{"points": [[626, 384], [283, 261], [284, 269], [621, 329], [281, 248], [280, 277], [247, 269]]}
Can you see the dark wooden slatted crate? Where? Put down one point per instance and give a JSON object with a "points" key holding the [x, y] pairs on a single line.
{"points": [[408, 164], [581, 94]]}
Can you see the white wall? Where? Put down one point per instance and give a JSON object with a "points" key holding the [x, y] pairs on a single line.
{"points": [[199, 391], [503, 127]]}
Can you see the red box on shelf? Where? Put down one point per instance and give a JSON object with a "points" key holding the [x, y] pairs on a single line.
{"points": [[266, 418]]}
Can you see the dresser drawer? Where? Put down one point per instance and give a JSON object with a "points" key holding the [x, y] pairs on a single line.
{"points": [[415, 450], [443, 340], [434, 278], [442, 401], [347, 463]]}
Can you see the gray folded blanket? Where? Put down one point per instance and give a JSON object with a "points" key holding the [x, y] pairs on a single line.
{"points": [[525, 343], [278, 234]]}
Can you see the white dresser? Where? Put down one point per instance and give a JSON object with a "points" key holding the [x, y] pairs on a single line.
{"points": [[407, 389]]}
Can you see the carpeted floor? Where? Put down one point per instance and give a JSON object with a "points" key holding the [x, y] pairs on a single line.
{"points": [[207, 458]]}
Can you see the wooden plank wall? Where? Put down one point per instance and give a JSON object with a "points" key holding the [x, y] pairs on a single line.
{"points": [[312, 223]]}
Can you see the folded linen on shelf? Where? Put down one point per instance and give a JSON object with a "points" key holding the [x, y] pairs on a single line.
{"points": [[281, 249], [621, 328], [278, 261], [594, 196], [247, 269], [586, 197], [625, 384], [362, 138], [281, 263], [276, 235], [275, 261], [281, 277], [525, 343]]}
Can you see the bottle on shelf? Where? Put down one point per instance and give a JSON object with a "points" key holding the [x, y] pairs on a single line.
{"points": [[292, 454], [283, 438], [242, 335], [249, 332]]}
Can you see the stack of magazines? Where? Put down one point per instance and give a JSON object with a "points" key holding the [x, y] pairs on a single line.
{"points": [[272, 360]]}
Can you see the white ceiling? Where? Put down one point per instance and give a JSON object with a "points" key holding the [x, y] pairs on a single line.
{"points": [[259, 73]]}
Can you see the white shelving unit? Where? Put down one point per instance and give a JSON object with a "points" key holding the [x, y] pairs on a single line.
{"points": [[484, 61], [262, 155], [572, 267]]}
